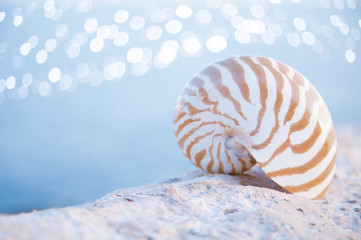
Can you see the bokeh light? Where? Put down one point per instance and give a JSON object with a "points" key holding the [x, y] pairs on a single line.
{"points": [[10, 82], [174, 26], [27, 79], [54, 75], [18, 20], [137, 23], [204, 16], [153, 32], [50, 44], [121, 39], [121, 16], [192, 45], [61, 32], [33, 41], [308, 38], [114, 70], [25, 49], [134, 55], [216, 44], [184, 11], [229, 9], [350, 56], [91, 25], [96, 44], [299, 23], [41, 56], [213, 26], [44, 89], [23, 92]]}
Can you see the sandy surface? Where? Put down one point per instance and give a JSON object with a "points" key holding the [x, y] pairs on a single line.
{"points": [[203, 206]]}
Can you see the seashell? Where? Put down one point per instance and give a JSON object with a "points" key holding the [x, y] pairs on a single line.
{"points": [[247, 110]]}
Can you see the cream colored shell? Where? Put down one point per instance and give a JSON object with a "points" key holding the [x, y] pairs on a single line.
{"points": [[247, 110]]}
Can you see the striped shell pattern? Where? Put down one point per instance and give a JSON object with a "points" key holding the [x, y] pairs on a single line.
{"points": [[247, 110]]}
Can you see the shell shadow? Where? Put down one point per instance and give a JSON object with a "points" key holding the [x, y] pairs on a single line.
{"points": [[257, 178]]}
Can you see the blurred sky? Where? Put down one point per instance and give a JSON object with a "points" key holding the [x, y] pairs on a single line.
{"points": [[87, 89]]}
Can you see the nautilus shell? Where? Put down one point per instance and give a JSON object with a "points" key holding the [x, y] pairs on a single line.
{"points": [[247, 110]]}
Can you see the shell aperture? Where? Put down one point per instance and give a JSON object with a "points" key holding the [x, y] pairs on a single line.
{"points": [[247, 110]]}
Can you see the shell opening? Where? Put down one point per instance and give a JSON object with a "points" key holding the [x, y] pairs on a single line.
{"points": [[235, 147], [237, 141], [237, 138]]}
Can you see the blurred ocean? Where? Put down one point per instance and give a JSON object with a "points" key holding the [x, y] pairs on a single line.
{"points": [[88, 89]]}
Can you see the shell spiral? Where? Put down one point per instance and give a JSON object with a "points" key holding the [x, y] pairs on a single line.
{"points": [[247, 110]]}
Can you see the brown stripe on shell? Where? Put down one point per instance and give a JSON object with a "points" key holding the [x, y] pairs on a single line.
{"points": [[283, 68], [186, 123], [301, 124], [229, 161], [315, 182], [238, 76], [278, 104], [210, 166], [294, 101], [297, 126], [322, 153], [324, 191], [306, 145], [198, 83], [244, 165], [199, 157], [210, 149], [263, 90], [203, 96], [192, 131], [279, 150], [195, 141], [191, 111], [216, 79], [189, 92], [178, 116], [295, 94], [205, 99]]}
